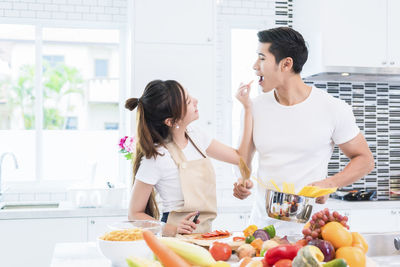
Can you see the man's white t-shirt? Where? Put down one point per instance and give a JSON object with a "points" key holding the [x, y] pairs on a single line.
{"points": [[295, 143], [162, 172]]}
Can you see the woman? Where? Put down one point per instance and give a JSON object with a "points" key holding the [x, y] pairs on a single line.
{"points": [[173, 159]]}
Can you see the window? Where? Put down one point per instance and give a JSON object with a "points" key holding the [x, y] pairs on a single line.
{"points": [[100, 67], [60, 120], [243, 55]]}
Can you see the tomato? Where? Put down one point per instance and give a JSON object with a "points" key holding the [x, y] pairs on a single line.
{"points": [[283, 263], [220, 251]]}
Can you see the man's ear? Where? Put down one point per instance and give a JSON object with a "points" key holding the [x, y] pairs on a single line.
{"points": [[286, 64], [168, 122]]}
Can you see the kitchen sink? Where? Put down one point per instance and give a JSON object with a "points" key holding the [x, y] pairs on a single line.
{"points": [[382, 244], [18, 206]]}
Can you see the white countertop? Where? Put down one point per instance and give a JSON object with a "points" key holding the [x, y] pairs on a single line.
{"points": [[88, 255], [235, 206]]}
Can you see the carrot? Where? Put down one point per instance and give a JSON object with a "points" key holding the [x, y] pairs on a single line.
{"points": [[167, 257]]}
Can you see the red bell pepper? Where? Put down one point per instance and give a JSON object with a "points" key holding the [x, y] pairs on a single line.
{"points": [[286, 251]]}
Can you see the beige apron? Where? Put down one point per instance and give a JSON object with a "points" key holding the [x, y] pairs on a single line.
{"points": [[198, 185]]}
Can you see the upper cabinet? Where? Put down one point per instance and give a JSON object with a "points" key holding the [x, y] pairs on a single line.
{"points": [[361, 33], [174, 21], [393, 33]]}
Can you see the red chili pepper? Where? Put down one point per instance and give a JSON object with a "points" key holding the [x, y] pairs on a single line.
{"points": [[280, 252], [238, 238]]}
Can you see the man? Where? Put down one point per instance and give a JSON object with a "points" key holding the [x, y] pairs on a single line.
{"points": [[295, 126]]}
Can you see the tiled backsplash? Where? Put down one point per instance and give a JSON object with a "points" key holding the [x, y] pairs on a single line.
{"points": [[375, 100]]}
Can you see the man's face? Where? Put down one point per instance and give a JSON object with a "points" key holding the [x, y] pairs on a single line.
{"points": [[266, 68]]}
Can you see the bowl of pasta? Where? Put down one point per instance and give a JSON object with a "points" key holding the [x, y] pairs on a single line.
{"points": [[125, 240]]}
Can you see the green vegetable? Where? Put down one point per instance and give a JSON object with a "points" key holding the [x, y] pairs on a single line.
{"points": [[262, 252], [308, 256], [270, 229], [336, 263], [249, 239], [141, 262]]}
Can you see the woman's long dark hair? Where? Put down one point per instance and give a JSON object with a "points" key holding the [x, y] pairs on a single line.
{"points": [[160, 100]]}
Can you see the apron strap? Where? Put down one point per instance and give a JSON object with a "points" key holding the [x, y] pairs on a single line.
{"points": [[177, 154]]}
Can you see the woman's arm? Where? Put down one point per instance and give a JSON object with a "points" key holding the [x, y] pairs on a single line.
{"points": [[137, 205], [246, 149]]}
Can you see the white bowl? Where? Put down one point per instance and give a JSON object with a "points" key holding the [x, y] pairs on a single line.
{"points": [[118, 251], [152, 226]]}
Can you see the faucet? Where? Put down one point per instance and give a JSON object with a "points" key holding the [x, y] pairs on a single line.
{"points": [[1, 163]]}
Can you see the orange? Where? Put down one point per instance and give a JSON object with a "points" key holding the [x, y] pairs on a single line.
{"points": [[354, 256], [335, 233], [359, 241]]}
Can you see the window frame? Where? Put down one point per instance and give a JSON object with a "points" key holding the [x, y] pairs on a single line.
{"points": [[124, 170]]}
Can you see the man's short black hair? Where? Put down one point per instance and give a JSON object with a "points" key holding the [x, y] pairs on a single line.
{"points": [[286, 42]]}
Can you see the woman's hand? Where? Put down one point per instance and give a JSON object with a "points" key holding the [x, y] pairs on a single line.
{"points": [[243, 94], [186, 226]]}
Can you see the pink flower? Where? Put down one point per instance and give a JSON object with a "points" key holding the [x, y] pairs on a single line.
{"points": [[122, 141], [129, 144]]}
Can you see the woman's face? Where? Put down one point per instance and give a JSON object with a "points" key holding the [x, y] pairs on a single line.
{"points": [[192, 113]]}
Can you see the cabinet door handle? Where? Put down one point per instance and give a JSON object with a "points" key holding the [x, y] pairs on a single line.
{"points": [[383, 62], [92, 221], [391, 62]]}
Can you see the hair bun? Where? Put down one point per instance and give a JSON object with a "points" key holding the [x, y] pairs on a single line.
{"points": [[131, 103]]}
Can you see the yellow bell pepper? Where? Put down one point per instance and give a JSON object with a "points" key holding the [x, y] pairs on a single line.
{"points": [[250, 230], [359, 241]]}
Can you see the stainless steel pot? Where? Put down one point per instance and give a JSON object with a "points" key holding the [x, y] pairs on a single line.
{"points": [[288, 207]]}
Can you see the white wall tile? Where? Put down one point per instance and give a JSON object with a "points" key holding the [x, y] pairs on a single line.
{"points": [[43, 15], [235, 3], [119, 3], [74, 16], [11, 197], [90, 2], [82, 9], [262, 4], [26, 197], [66, 8], [248, 4], [119, 18], [59, 15], [107, 3], [58, 197], [51, 7], [104, 17], [6, 5], [97, 9], [42, 197], [89, 17], [59, 2], [44, 1], [112, 10], [20, 6], [35, 7], [75, 2], [28, 14], [11, 13]]}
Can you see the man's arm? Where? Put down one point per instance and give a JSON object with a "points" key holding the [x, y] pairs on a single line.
{"points": [[361, 163]]}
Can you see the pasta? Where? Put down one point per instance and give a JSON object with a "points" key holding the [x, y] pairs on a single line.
{"points": [[132, 234]]}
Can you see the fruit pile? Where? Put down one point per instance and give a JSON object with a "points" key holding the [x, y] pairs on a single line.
{"points": [[330, 233]]}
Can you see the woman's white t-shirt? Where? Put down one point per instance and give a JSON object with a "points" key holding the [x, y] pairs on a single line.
{"points": [[162, 172], [295, 143]]}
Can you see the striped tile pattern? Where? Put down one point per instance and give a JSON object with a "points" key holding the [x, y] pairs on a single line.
{"points": [[375, 100]]}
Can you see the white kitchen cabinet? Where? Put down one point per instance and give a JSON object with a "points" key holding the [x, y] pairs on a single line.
{"points": [[393, 33], [361, 33], [191, 65], [30, 242], [98, 226], [378, 220], [230, 221], [354, 33], [174, 21]]}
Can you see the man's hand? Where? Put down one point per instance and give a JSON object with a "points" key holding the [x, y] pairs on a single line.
{"points": [[241, 189], [326, 183]]}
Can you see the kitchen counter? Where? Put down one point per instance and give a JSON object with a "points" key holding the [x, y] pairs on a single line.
{"points": [[65, 210], [87, 255]]}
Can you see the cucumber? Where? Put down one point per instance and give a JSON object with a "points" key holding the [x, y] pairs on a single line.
{"points": [[336, 263]]}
